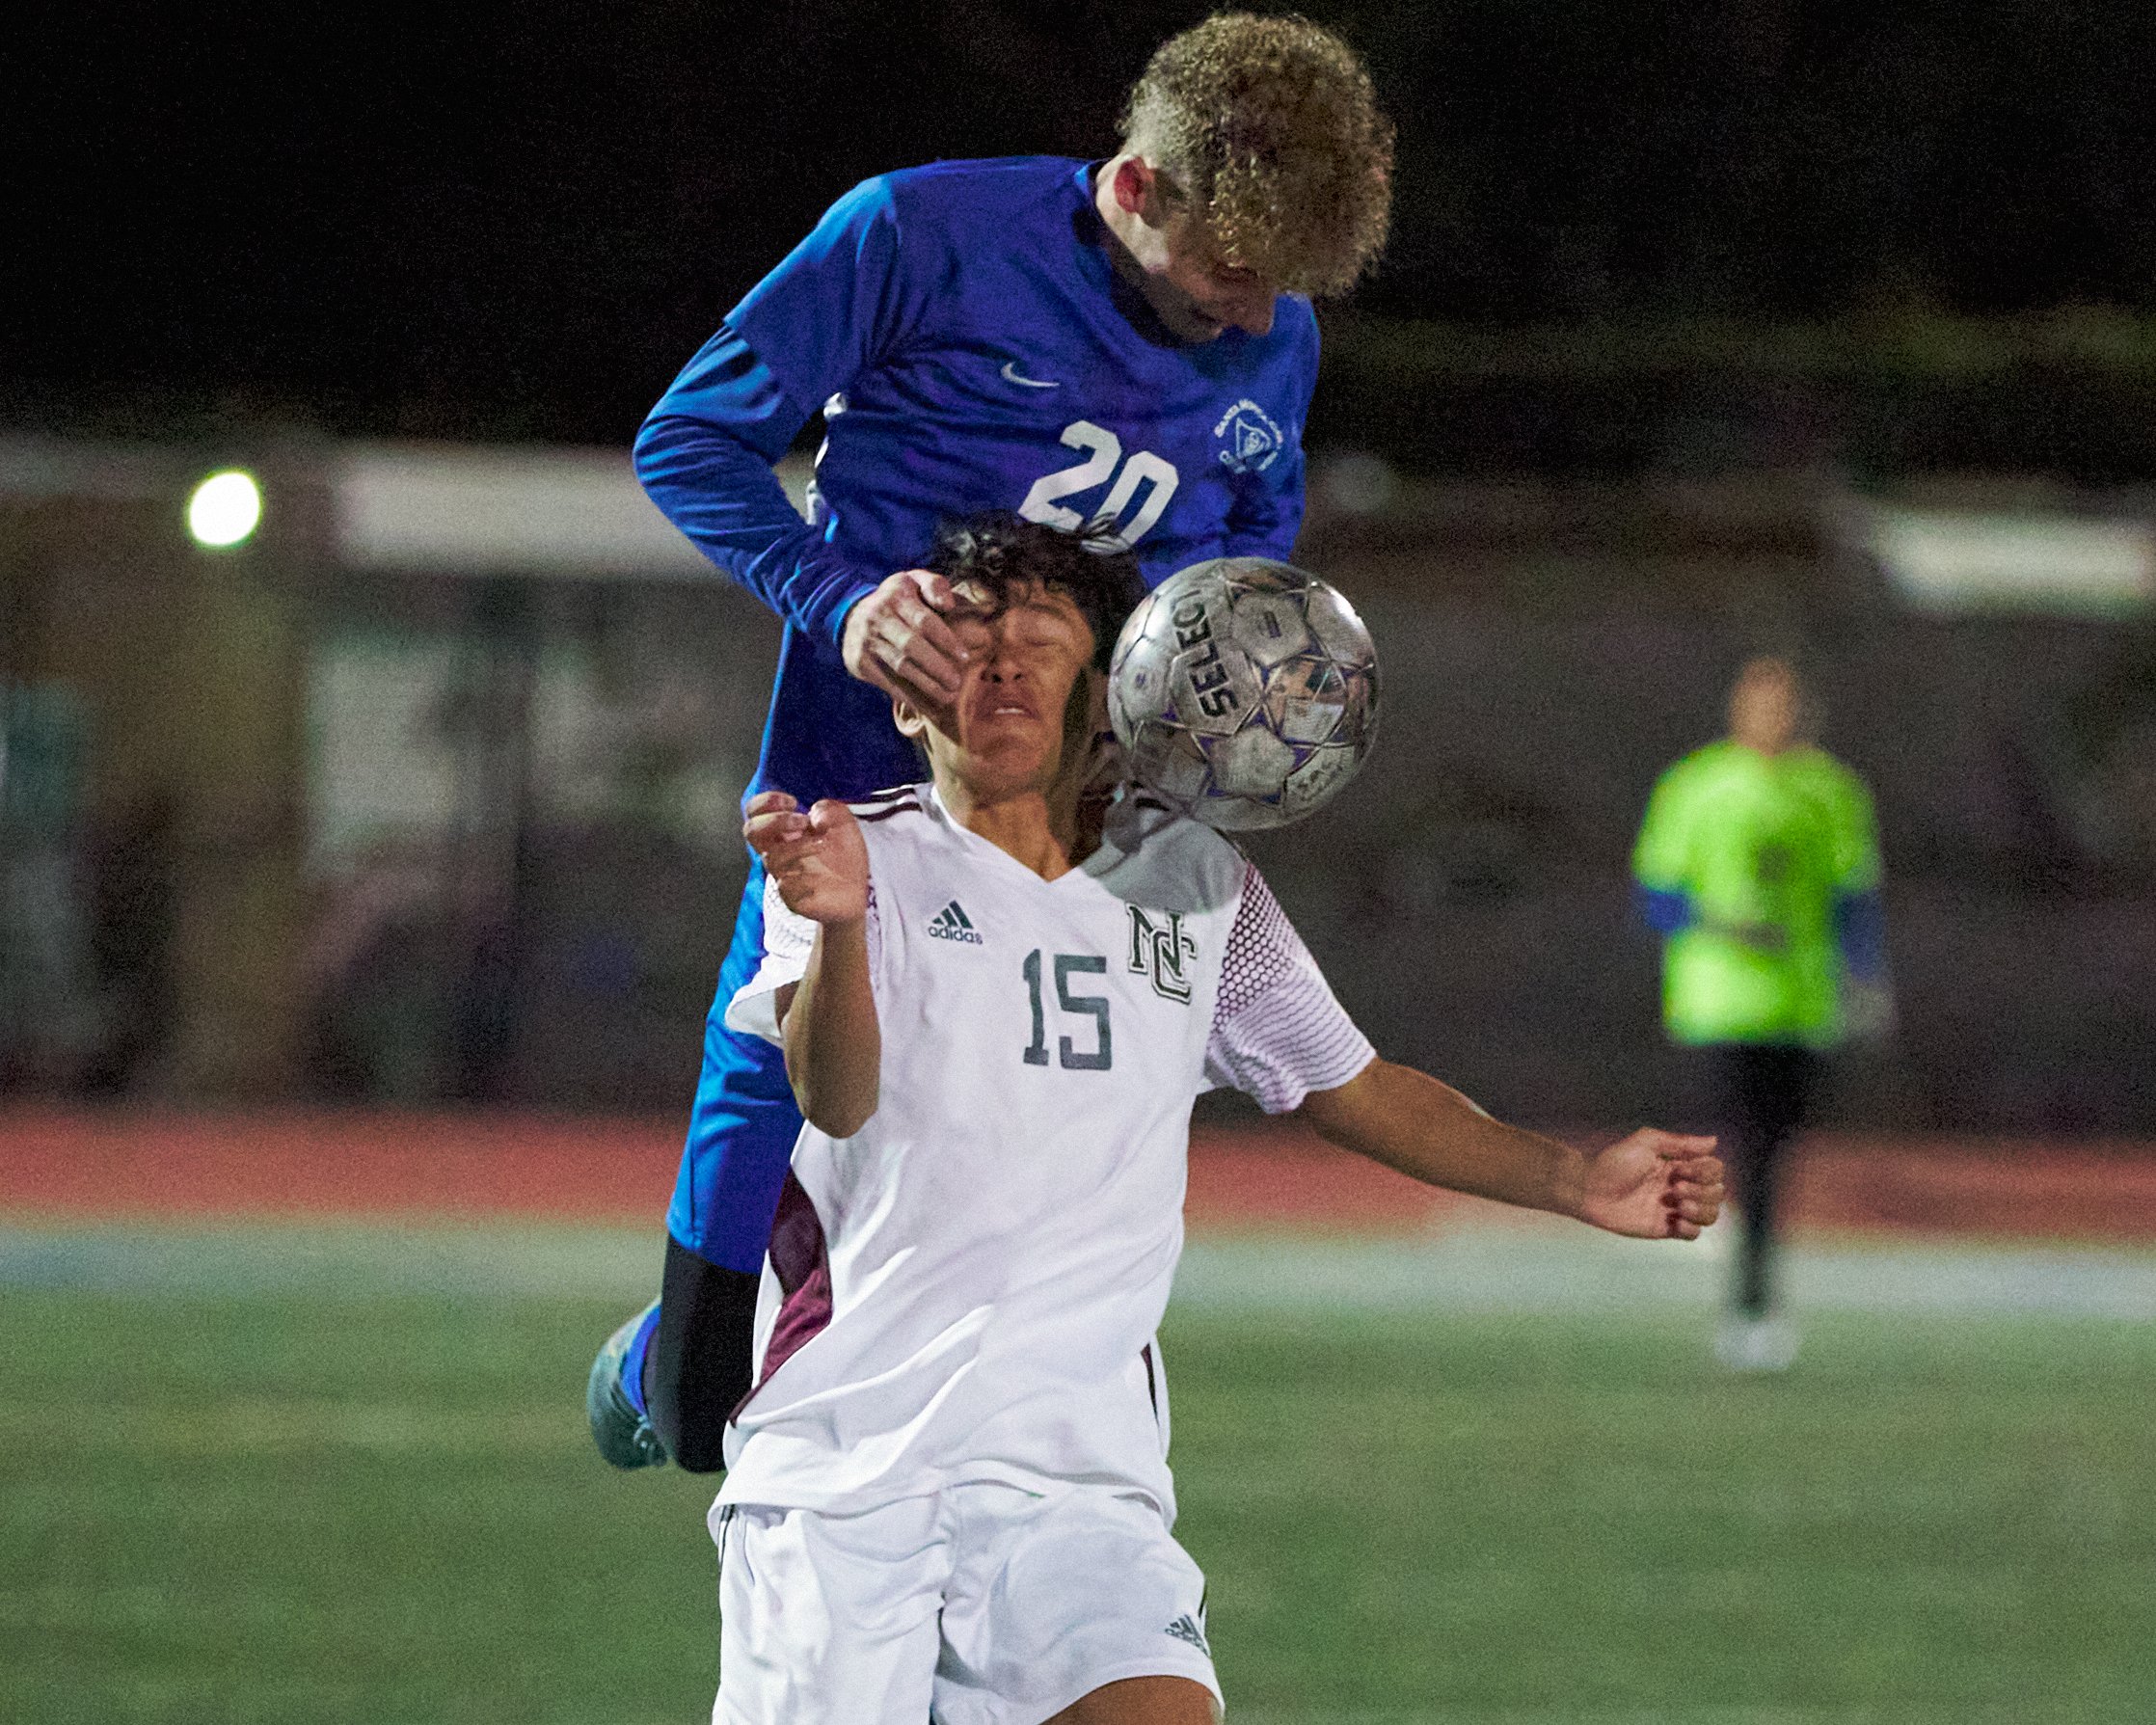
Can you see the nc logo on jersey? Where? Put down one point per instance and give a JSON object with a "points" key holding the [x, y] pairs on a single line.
{"points": [[1158, 951], [1250, 438]]}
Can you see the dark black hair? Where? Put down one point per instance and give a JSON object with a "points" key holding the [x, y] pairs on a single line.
{"points": [[999, 549]]}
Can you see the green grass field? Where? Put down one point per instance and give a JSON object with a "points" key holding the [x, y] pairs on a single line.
{"points": [[249, 1479]]}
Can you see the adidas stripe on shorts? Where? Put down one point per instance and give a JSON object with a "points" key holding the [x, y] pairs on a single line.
{"points": [[980, 1604]]}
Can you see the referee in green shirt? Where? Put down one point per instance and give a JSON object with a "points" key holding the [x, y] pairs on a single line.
{"points": [[1759, 865]]}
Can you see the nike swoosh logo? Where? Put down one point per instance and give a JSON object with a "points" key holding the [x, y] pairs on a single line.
{"points": [[1011, 375]]}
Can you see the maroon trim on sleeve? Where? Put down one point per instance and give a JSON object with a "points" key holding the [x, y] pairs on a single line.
{"points": [[803, 1268]]}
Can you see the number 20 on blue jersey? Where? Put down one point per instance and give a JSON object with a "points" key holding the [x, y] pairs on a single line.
{"points": [[1123, 513]]}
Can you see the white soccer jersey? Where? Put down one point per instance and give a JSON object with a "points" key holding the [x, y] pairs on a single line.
{"points": [[967, 1288]]}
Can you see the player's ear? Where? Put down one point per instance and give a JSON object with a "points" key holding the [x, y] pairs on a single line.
{"points": [[1085, 714], [1140, 190], [1093, 684], [908, 718]]}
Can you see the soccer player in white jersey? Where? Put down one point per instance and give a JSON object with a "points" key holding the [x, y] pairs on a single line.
{"points": [[948, 1494]]}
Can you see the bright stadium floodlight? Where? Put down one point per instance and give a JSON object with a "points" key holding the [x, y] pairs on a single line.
{"points": [[224, 508]]}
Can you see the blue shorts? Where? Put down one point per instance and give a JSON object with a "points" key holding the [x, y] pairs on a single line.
{"points": [[741, 1132]]}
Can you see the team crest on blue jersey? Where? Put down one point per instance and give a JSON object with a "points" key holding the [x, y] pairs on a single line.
{"points": [[1158, 951], [1250, 438]]}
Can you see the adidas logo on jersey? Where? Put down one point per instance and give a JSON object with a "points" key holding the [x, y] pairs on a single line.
{"points": [[1186, 1629], [952, 923]]}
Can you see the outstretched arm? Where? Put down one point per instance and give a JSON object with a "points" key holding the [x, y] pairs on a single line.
{"points": [[839, 305], [1653, 1185], [834, 1048], [704, 455], [705, 458]]}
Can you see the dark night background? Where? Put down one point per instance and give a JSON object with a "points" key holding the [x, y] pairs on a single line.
{"points": [[1678, 296], [484, 221]]}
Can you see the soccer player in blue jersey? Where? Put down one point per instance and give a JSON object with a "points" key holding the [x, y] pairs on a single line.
{"points": [[1126, 346]]}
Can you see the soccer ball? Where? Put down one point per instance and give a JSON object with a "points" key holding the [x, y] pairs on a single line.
{"points": [[1244, 691]]}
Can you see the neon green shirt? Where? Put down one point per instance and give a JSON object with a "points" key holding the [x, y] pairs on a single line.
{"points": [[1762, 844]]}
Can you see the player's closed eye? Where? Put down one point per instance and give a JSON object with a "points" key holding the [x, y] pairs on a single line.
{"points": [[1036, 629], [972, 630]]}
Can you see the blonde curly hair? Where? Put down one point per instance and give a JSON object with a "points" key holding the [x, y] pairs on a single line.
{"points": [[1272, 128]]}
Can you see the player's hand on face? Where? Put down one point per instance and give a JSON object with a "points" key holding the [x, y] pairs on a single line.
{"points": [[1654, 1186], [817, 858], [897, 639]]}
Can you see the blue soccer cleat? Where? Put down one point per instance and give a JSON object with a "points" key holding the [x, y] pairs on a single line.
{"points": [[622, 1430]]}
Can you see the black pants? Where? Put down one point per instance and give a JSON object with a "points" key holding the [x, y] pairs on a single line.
{"points": [[1762, 1092], [699, 1366]]}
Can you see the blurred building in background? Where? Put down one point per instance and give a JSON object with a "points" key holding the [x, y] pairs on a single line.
{"points": [[426, 789]]}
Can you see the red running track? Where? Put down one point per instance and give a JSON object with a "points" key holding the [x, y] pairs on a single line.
{"points": [[138, 1164]]}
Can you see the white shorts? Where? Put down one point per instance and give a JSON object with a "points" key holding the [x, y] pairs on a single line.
{"points": [[983, 1605]]}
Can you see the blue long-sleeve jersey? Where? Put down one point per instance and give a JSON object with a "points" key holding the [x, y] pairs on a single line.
{"points": [[967, 335]]}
